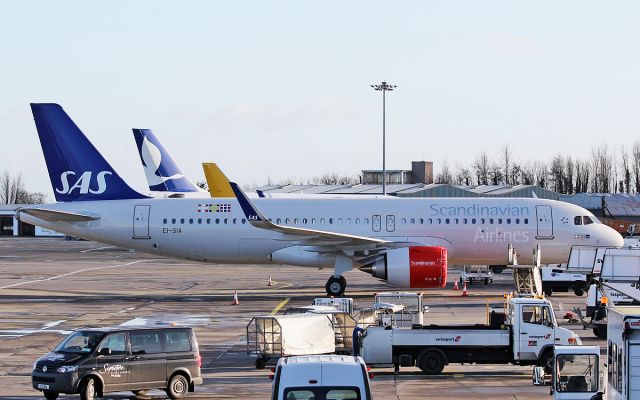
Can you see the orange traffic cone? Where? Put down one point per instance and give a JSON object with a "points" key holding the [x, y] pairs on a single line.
{"points": [[235, 301], [464, 290], [455, 285], [270, 282]]}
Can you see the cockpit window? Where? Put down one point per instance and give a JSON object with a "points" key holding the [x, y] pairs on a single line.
{"points": [[577, 220], [587, 220]]}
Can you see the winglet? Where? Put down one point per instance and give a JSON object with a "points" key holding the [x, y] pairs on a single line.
{"points": [[254, 216], [217, 181]]}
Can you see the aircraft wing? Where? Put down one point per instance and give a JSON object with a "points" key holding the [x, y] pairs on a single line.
{"points": [[57, 216], [310, 237]]}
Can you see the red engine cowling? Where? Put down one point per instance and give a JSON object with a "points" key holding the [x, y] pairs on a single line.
{"points": [[413, 267]]}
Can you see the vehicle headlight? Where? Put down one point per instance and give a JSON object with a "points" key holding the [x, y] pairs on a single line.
{"points": [[34, 364], [66, 368]]}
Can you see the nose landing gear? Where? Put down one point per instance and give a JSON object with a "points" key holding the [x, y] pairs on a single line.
{"points": [[336, 286]]}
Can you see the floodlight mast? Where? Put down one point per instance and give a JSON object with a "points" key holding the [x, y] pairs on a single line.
{"points": [[384, 87]]}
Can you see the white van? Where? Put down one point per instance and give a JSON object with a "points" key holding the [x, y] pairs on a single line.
{"points": [[321, 377]]}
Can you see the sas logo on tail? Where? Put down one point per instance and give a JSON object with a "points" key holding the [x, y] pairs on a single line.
{"points": [[83, 183]]}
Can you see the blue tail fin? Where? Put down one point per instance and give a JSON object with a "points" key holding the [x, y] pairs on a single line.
{"points": [[163, 175], [77, 170]]}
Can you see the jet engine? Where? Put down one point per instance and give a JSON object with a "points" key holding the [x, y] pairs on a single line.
{"points": [[412, 267]]}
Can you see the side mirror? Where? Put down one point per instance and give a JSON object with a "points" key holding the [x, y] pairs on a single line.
{"points": [[425, 309], [105, 351]]}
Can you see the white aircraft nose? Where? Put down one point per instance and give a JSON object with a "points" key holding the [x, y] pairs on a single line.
{"points": [[611, 237]]}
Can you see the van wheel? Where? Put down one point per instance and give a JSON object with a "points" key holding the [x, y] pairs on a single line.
{"points": [[431, 363], [88, 389], [178, 386], [139, 392], [50, 395]]}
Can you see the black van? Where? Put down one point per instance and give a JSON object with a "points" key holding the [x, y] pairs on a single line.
{"points": [[95, 361]]}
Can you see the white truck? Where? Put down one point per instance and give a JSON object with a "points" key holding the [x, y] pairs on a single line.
{"points": [[525, 335], [561, 280], [623, 353]]}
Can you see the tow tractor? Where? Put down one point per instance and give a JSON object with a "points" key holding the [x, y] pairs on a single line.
{"points": [[478, 273], [523, 333]]}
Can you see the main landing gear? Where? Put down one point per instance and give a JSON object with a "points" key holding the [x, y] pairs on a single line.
{"points": [[336, 286]]}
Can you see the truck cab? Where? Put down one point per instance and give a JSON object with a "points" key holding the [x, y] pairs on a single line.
{"points": [[576, 373], [535, 329]]}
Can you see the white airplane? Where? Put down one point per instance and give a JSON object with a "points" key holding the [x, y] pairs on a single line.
{"points": [[407, 242]]}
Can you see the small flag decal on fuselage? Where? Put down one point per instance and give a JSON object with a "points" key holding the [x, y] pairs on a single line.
{"points": [[217, 208]]}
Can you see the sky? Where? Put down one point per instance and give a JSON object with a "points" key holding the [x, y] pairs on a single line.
{"points": [[277, 90]]}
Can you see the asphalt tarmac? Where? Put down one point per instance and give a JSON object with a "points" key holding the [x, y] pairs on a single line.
{"points": [[49, 286]]}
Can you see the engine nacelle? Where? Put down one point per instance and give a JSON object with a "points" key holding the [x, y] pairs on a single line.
{"points": [[303, 256], [413, 267]]}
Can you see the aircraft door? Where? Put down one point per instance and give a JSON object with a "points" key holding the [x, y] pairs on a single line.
{"points": [[391, 223], [141, 222], [544, 219], [376, 223]]}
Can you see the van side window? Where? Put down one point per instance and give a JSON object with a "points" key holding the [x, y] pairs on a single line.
{"points": [[114, 342], [176, 340], [145, 343]]}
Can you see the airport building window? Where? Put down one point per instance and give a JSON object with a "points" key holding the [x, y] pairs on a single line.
{"points": [[164, 221]]}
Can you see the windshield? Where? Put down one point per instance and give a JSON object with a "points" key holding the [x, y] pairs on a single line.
{"points": [[80, 342], [322, 393], [576, 373]]}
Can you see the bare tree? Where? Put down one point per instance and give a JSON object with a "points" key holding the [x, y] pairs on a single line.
{"points": [[568, 173], [463, 177], [602, 169], [506, 164], [626, 171], [12, 191], [445, 175], [635, 165], [556, 171], [481, 168]]}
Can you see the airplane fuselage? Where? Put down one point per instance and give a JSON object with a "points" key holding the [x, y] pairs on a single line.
{"points": [[474, 230]]}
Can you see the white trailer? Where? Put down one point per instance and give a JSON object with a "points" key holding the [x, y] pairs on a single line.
{"points": [[526, 337], [561, 280]]}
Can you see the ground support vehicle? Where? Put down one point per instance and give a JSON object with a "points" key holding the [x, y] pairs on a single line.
{"points": [[478, 273], [561, 280], [412, 304], [623, 353], [274, 336], [576, 373], [321, 377], [524, 335], [95, 361]]}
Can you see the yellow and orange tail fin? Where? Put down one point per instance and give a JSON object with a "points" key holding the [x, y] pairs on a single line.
{"points": [[217, 181]]}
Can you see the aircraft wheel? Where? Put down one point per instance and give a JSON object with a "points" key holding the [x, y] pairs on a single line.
{"points": [[336, 286]]}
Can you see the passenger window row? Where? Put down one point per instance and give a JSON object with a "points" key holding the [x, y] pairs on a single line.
{"points": [[463, 221], [200, 221]]}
